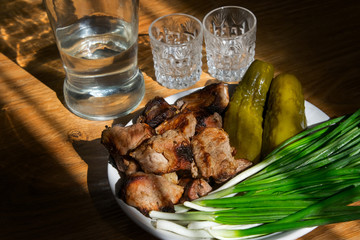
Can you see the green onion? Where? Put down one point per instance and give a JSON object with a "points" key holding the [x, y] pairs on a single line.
{"points": [[307, 181], [293, 221]]}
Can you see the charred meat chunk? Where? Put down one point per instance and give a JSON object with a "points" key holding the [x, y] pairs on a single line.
{"points": [[212, 98], [120, 140], [184, 122], [194, 189], [205, 119], [156, 111], [148, 192], [125, 164], [213, 155], [169, 152]]}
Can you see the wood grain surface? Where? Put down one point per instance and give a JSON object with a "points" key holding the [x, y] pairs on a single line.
{"points": [[53, 178]]}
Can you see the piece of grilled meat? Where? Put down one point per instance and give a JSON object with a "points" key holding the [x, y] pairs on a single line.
{"points": [[125, 164], [169, 152], [214, 156], [119, 140], [170, 142], [212, 98], [205, 119], [194, 188], [184, 122], [149, 192], [156, 111]]}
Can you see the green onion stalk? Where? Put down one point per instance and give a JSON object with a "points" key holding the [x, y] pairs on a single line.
{"points": [[309, 180]]}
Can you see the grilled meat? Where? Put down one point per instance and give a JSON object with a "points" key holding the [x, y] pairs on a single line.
{"points": [[205, 119], [183, 122], [213, 155], [120, 140], [169, 152], [156, 111], [125, 164], [149, 192], [194, 188], [212, 98], [171, 177], [170, 142]]}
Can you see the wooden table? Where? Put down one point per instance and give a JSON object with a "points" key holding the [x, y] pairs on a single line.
{"points": [[52, 165]]}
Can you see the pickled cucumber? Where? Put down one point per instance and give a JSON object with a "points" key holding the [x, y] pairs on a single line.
{"points": [[285, 112], [243, 120]]}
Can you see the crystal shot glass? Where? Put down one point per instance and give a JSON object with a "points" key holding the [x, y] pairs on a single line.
{"points": [[230, 35], [176, 43]]}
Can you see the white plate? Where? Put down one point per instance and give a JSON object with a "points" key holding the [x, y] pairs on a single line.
{"points": [[313, 116]]}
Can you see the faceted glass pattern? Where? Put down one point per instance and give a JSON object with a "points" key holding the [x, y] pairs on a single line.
{"points": [[176, 43], [230, 35]]}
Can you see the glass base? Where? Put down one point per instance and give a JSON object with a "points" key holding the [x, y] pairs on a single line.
{"points": [[105, 103], [227, 75]]}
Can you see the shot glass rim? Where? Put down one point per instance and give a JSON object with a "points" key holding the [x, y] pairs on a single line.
{"points": [[200, 35], [233, 6]]}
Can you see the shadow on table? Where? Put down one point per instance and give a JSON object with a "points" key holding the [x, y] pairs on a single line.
{"points": [[96, 157]]}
